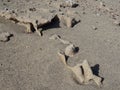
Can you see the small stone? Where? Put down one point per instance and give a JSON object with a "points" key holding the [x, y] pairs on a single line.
{"points": [[32, 9], [70, 50], [94, 28], [54, 37], [4, 36], [68, 21], [69, 3]]}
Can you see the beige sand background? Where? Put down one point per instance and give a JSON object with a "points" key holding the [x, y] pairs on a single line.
{"points": [[30, 62]]}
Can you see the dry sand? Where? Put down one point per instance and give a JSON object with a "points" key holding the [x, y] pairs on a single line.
{"points": [[30, 62]]}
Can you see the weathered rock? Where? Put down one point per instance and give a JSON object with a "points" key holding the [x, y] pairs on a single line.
{"points": [[57, 37], [34, 14], [65, 41], [83, 73], [69, 3], [70, 50], [4, 36], [67, 20]]}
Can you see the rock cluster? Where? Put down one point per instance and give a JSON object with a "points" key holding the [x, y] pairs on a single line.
{"points": [[35, 14]]}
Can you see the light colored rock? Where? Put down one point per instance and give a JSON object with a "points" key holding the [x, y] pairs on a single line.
{"points": [[67, 20], [94, 27], [69, 3], [4, 36], [65, 41], [34, 14], [57, 37], [30, 14], [117, 23], [82, 71], [70, 50]]}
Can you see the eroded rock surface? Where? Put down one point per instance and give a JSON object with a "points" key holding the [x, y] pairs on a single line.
{"points": [[33, 14], [82, 71]]}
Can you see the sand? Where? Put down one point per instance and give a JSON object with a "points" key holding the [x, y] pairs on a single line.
{"points": [[30, 62]]}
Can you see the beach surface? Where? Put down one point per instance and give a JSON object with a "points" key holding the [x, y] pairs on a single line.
{"points": [[30, 62]]}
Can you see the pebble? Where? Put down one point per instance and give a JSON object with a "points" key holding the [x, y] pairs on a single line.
{"points": [[5, 36]]}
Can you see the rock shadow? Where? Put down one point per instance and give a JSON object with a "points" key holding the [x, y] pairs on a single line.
{"points": [[95, 70]]}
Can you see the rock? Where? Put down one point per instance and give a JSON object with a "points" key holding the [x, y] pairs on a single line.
{"points": [[67, 21], [57, 37], [117, 23], [35, 14], [28, 14], [83, 72], [94, 28], [69, 3], [5, 36], [71, 50]]}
